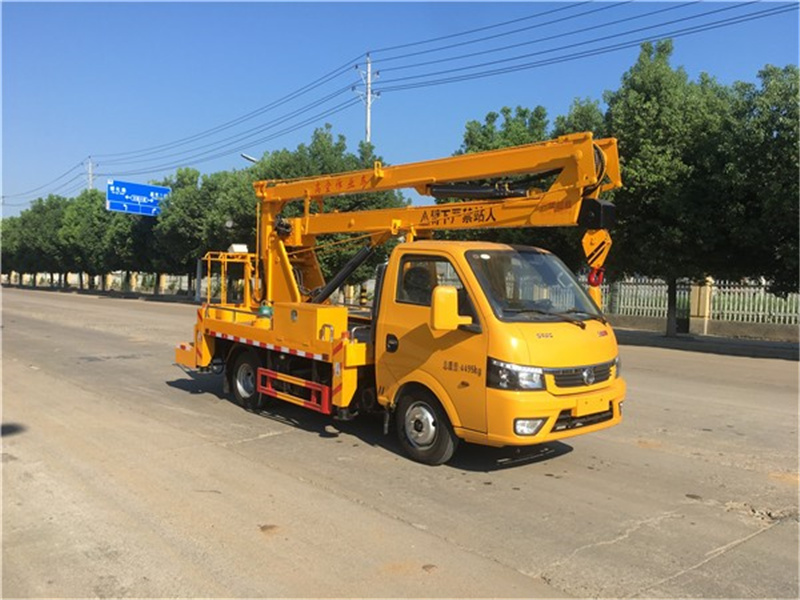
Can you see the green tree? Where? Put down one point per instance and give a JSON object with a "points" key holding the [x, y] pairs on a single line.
{"points": [[760, 181], [82, 234], [179, 233], [707, 170], [657, 117], [232, 217], [129, 244], [521, 126], [40, 248], [327, 154], [10, 245], [584, 115]]}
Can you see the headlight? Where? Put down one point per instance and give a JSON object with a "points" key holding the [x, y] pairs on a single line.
{"points": [[507, 376]]}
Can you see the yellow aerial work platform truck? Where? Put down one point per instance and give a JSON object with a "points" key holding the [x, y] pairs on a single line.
{"points": [[482, 342]]}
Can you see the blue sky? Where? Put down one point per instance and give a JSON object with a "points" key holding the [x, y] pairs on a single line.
{"points": [[97, 79]]}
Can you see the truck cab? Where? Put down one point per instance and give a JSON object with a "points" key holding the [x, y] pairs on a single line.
{"points": [[493, 344]]}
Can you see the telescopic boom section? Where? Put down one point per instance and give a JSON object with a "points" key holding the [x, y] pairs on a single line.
{"points": [[579, 169], [585, 167]]}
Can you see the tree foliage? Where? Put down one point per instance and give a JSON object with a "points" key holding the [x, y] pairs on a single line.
{"points": [[710, 173], [325, 155], [82, 233], [39, 248], [760, 143], [520, 126], [10, 245], [653, 115], [584, 115]]}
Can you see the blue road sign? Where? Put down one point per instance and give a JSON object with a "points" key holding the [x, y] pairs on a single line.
{"points": [[135, 198]]}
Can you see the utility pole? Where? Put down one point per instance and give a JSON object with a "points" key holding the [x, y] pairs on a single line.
{"points": [[369, 99], [90, 173], [367, 96]]}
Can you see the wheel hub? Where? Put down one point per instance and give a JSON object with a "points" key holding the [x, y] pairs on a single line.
{"points": [[245, 381], [420, 425]]}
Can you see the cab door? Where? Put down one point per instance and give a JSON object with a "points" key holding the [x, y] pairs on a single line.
{"points": [[450, 363]]}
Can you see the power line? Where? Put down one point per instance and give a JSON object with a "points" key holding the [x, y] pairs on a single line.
{"points": [[566, 46], [73, 189], [608, 6], [41, 187], [240, 137], [331, 75], [58, 190], [549, 38], [485, 28], [232, 144], [207, 156], [584, 54]]}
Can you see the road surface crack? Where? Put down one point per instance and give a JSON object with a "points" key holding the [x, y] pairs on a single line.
{"points": [[544, 573], [260, 436], [710, 555]]}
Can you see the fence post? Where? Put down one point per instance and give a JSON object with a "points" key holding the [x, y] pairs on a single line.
{"points": [[700, 302]]}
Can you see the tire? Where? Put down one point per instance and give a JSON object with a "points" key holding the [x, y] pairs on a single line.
{"points": [[243, 380], [423, 428]]}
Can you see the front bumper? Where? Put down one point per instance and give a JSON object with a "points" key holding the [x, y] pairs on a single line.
{"points": [[565, 415]]}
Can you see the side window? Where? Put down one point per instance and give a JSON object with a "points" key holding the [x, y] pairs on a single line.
{"points": [[417, 280], [420, 274]]}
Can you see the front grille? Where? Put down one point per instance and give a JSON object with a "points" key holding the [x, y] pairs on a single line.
{"points": [[567, 421], [580, 376]]}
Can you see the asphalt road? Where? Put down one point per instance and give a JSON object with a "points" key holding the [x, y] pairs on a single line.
{"points": [[123, 476]]}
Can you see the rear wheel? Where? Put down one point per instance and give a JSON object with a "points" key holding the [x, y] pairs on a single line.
{"points": [[243, 379], [423, 428]]}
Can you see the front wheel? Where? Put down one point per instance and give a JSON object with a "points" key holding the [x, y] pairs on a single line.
{"points": [[423, 428]]}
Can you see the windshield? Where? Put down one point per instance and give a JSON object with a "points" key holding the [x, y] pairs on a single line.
{"points": [[525, 284]]}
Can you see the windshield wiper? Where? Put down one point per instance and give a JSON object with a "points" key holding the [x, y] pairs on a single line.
{"points": [[573, 311], [562, 315]]}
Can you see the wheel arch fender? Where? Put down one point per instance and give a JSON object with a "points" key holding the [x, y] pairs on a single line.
{"points": [[428, 383], [233, 352]]}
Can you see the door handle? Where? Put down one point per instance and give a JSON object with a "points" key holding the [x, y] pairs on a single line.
{"points": [[392, 343]]}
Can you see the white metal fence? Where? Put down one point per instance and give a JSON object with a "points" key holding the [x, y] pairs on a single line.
{"points": [[748, 302], [737, 302], [642, 297], [751, 303]]}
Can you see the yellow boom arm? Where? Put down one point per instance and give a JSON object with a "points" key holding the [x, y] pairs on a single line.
{"points": [[583, 168]]}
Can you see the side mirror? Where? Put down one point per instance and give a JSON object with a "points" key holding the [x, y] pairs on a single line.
{"points": [[444, 309]]}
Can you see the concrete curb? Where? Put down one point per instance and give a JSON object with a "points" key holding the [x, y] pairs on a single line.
{"points": [[146, 296], [710, 344]]}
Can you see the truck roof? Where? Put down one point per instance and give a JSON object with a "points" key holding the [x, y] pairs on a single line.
{"points": [[456, 245]]}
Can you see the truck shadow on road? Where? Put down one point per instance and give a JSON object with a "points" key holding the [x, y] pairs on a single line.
{"points": [[368, 429], [199, 383], [471, 457]]}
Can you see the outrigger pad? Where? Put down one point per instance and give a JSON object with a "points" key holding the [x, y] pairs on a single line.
{"points": [[597, 214]]}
